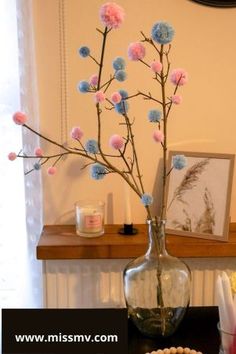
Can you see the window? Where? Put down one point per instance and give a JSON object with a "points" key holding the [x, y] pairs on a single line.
{"points": [[19, 271]]}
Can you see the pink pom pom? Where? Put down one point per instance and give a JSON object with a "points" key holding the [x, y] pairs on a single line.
{"points": [[93, 80], [179, 77], [76, 133], [99, 97], [136, 51], [112, 15], [52, 170], [116, 141], [158, 136], [12, 156], [156, 66], [19, 118], [116, 97], [176, 99], [38, 152]]}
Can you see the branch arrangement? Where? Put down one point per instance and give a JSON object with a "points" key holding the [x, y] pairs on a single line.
{"points": [[100, 162]]}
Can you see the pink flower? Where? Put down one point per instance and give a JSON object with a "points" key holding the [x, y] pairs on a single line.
{"points": [[116, 97], [179, 77], [111, 15], [176, 99], [52, 170], [136, 51], [19, 118], [99, 97], [93, 80], [158, 136], [38, 152], [76, 133], [156, 66], [12, 156], [116, 141]]}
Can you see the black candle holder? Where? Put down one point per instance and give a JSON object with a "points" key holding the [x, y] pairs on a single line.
{"points": [[128, 229]]}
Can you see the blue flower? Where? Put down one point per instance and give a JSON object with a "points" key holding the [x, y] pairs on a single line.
{"points": [[84, 52], [147, 199], [91, 146], [83, 86], [124, 94], [37, 166], [98, 171], [118, 63], [122, 107], [162, 32], [179, 162], [120, 75], [154, 115]]}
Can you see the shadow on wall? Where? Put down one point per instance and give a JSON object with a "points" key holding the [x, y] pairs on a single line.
{"points": [[110, 209], [157, 189], [69, 216], [74, 171]]}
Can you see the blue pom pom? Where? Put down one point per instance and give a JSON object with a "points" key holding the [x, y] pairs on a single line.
{"points": [[120, 75], [147, 199], [91, 146], [179, 162], [98, 171], [154, 115], [37, 166], [83, 86], [84, 52], [162, 32], [124, 94], [118, 63], [122, 107]]}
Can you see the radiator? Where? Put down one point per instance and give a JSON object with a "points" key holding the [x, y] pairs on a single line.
{"points": [[98, 283]]}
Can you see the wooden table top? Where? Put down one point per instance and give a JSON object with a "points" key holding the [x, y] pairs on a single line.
{"points": [[61, 242]]}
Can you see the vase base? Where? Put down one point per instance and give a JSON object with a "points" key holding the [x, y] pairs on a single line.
{"points": [[157, 322]]}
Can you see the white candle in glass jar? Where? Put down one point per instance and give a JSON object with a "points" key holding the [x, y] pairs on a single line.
{"points": [[89, 218]]}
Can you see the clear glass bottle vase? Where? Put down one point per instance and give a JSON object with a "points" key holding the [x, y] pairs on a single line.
{"points": [[157, 286]]}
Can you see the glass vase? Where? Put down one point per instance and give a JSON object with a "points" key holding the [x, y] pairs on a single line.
{"points": [[157, 286]]}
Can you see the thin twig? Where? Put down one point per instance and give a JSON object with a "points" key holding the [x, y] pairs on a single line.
{"points": [[94, 59]]}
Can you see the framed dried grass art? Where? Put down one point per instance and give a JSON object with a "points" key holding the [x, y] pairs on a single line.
{"points": [[198, 198]]}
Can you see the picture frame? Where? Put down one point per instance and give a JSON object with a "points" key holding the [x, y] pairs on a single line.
{"points": [[217, 3], [198, 196]]}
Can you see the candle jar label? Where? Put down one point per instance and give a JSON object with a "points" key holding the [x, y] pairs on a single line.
{"points": [[93, 221]]}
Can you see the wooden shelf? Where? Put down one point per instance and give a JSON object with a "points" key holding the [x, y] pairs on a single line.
{"points": [[61, 242]]}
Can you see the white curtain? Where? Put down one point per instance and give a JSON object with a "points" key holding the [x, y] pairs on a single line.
{"points": [[20, 201], [29, 104]]}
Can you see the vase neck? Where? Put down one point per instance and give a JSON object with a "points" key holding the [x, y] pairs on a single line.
{"points": [[156, 234]]}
